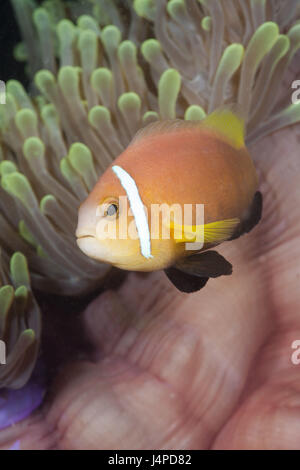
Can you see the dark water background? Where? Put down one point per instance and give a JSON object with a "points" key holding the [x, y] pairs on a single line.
{"points": [[9, 38]]}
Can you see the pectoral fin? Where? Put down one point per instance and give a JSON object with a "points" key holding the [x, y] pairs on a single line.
{"points": [[192, 273], [215, 232]]}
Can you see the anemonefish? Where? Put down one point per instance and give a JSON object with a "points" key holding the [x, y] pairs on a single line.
{"points": [[174, 164]]}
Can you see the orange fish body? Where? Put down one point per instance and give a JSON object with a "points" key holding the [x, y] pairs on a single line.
{"points": [[194, 165], [174, 163]]}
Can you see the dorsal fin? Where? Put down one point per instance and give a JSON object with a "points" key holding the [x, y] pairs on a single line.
{"points": [[163, 127], [228, 123]]}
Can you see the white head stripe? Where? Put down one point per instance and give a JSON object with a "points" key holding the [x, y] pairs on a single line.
{"points": [[137, 208]]}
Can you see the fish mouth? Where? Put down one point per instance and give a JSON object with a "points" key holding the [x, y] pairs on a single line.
{"points": [[81, 237], [90, 246], [82, 233]]}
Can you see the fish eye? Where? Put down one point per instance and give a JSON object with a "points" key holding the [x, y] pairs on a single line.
{"points": [[109, 208], [112, 210]]}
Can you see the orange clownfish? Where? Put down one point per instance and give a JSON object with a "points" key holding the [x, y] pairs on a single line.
{"points": [[179, 189]]}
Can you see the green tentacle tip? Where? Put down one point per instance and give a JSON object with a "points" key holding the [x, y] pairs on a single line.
{"points": [[47, 200], [168, 89], [127, 50], [7, 167], [101, 79], [68, 172], [170, 77], [194, 113], [41, 253], [232, 56], [129, 102], [28, 337], [34, 148], [55, 9], [26, 234], [111, 37], [21, 299], [21, 291], [283, 45], [81, 158], [98, 115], [269, 26], [21, 296], [27, 122], [294, 36], [87, 41], [150, 49], [150, 116], [101, 15], [20, 52], [176, 8], [294, 31], [44, 80], [265, 35], [206, 23], [87, 22], [68, 79], [66, 30], [49, 113], [6, 300], [41, 19], [102, 74], [18, 186], [19, 270], [15, 88], [145, 8]]}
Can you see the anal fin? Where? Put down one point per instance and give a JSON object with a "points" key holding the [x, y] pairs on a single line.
{"points": [[192, 273], [185, 282], [206, 264]]}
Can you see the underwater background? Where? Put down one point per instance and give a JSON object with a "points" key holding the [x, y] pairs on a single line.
{"points": [[82, 77]]}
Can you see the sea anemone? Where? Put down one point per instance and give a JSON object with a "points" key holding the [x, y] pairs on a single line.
{"points": [[20, 322], [99, 71]]}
